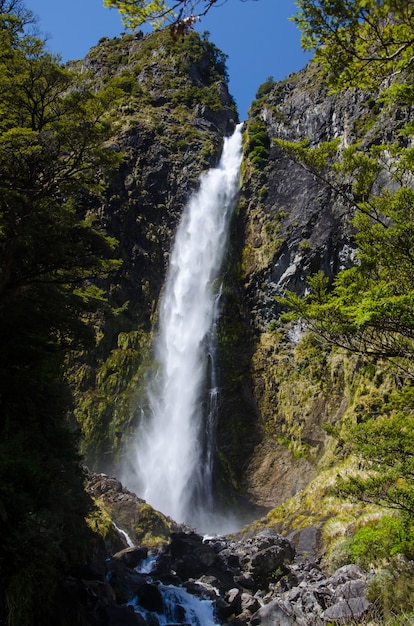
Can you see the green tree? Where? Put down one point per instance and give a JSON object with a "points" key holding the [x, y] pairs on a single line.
{"points": [[53, 162], [368, 309], [358, 43], [385, 447]]}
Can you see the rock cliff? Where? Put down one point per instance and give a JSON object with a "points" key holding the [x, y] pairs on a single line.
{"points": [[172, 108], [277, 394], [283, 392]]}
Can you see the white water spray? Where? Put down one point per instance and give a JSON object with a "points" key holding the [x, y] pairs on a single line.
{"points": [[173, 457]]}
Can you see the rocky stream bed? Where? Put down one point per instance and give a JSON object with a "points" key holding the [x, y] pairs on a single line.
{"points": [[258, 579]]}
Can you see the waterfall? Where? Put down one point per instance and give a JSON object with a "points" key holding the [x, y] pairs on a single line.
{"points": [[174, 449]]}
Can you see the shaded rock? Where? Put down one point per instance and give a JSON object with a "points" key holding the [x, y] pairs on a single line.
{"points": [[271, 560], [123, 616], [150, 598], [131, 557], [234, 597], [124, 582], [306, 542], [224, 609], [246, 581], [249, 603]]}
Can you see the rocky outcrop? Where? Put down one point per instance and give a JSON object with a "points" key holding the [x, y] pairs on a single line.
{"points": [[135, 520], [279, 398], [306, 597]]}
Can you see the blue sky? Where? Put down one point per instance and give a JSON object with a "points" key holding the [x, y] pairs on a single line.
{"points": [[255, 34]]}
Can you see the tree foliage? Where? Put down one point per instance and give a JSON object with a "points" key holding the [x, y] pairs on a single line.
{"points": [[368, 309], [180, 14], [384, 447], [53, 161], [137, 12], [358, 42]]}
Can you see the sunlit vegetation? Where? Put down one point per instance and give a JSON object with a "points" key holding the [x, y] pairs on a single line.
{"points": [[367, 310]]}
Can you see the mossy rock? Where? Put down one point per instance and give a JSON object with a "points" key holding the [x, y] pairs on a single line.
{"points": [[153, 529]]}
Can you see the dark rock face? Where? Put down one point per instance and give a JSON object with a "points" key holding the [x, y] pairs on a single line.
{"points": [[304, 208]]}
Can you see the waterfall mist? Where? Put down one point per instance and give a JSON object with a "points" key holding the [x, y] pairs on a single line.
{"points": [[172, 464]]}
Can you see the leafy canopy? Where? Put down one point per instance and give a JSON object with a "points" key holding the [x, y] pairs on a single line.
{"points": [[180, 14], [358, 42]]}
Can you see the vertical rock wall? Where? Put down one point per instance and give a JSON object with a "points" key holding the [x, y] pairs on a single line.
{"points": [[281, 392]]}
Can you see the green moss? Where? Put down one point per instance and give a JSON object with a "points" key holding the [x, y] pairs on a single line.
{"points": [[152, 529], [100, 522], [257, 143], [105, 409]]}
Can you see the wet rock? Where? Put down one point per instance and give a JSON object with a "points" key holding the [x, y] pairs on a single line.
{"points": [[124, 581], [150, 598]]}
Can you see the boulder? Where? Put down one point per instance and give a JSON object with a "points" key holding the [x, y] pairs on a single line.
{"points": [[131, 557], [282, 613], [249, 603], [347, 611], [256, 560], [150, 598], [234, 599]]}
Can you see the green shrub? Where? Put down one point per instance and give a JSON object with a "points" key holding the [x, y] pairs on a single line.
{"points": [[392, 591], [381, 540], [265, 88]]}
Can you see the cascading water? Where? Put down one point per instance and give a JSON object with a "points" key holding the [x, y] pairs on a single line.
{"points": [[173, 456], [179, 607]]}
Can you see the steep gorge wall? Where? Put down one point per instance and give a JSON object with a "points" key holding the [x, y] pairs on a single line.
{"points": [[283, 391], [278, 391]]}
